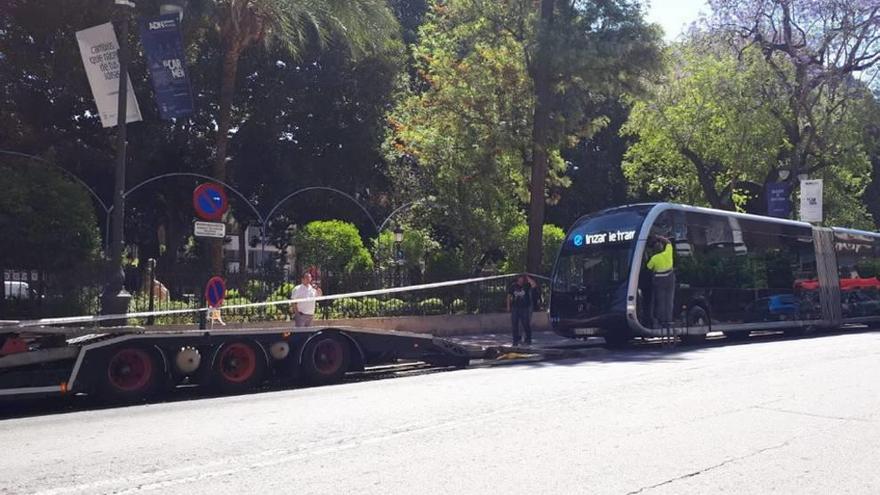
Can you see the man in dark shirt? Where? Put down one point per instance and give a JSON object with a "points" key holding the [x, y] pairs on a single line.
{"points": [[519, 305]]}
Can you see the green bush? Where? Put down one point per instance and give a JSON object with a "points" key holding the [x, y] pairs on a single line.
{"points": [[393, 307], [515, 243], [433, 306], [458, 306], [283, 291]]}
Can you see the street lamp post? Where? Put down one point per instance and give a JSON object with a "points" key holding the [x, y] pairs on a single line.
{"points": [[115, 298], [398, 255]]}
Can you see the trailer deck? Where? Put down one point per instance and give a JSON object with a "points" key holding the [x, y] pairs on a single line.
{"points": [[125, 364]]}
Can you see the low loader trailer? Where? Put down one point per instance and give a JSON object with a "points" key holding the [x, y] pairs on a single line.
{"points": [[128, 364]]}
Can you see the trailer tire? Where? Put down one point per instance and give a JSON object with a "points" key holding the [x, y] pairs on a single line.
{"points": [[326, 358], [238, 367], [128, 374]]}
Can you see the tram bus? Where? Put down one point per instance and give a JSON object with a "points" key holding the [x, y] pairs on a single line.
{"points": [[735, 273]]}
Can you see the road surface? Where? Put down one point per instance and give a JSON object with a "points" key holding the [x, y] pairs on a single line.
{"points": [[786, 416]]}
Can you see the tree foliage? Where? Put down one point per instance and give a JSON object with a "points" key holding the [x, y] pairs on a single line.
{"points": [[713, 132], [334, 246], [48, 221], [468, 131], [515, 248], [820, 56]]}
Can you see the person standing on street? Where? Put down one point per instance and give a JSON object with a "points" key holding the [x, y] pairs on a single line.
{"points": [[304, 312], [519, 305]]}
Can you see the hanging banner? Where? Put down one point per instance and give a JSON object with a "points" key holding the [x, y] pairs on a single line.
{"points": [[811, 200], [778, 200], [99, 48], [163, 47]]}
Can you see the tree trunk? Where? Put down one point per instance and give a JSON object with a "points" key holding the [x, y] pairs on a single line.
{"points": [[705, 178], [540, 140], [224, 118]]}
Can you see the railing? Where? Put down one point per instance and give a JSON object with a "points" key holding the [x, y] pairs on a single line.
{"points": [[78, 293]]}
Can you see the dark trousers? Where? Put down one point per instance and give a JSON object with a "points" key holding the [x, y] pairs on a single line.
{"points": [[663, 294], [521, 316]]}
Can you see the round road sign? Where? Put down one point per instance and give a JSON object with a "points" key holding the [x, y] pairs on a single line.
{"points": [[210, 201], [215, 292]]}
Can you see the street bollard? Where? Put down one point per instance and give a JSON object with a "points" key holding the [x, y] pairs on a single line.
{"points": [[151, 268]]}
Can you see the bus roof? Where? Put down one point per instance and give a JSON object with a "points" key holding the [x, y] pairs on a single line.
{"points": [[657, 208]]}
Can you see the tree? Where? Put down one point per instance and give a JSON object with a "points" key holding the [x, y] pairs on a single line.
{"points": [[336, 248], [470, 132], [578, 50], [817, 52], [461, 134], [48, 221], [515, 248], [292, 24], [709, 134]]}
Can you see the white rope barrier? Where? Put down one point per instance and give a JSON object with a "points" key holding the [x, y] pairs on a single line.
{"points": [[144, 314]]}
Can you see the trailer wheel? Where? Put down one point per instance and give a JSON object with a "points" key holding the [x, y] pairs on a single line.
{"points": [[237, 368], [326, 359], [130, 374]]}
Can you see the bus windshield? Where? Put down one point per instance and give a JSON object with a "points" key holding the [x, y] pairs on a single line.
{"points": [[597, 253]]}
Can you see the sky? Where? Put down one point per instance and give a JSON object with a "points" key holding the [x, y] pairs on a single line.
{"points": [[675, 15]]}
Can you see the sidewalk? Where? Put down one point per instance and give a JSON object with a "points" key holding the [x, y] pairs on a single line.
{"points": [[540, 340]]}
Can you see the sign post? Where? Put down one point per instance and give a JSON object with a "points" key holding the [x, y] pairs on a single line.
{"points": [[215, 292], [163, 48], [210, 201], [216, 230], [778, 202], [99, 49], [811, 200]]}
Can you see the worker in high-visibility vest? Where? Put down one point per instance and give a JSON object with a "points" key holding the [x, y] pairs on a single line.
{"points": [[661, 265]]}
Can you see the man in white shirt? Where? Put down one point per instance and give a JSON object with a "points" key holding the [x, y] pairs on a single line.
{"points": [[304, 312]]}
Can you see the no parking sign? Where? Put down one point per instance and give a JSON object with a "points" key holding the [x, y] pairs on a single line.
{"points": [[210, 201], [215, 292]]}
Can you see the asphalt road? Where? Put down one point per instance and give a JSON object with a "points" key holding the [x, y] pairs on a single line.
{"points": [[786, 416]]}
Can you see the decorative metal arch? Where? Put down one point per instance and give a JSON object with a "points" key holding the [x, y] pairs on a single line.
{"points": [[322, 188], [79, 181], [66, 172], [200, 176]]}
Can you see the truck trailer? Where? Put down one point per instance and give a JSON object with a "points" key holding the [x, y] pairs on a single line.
{"points": [[129, 364]]}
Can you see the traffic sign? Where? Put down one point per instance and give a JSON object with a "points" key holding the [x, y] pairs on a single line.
{"points": [[209, 229], [215, 292], [210, 201]]}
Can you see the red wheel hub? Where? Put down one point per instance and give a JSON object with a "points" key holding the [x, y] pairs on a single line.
{"points": [[328, 356], [238, 362], [130, 370]]}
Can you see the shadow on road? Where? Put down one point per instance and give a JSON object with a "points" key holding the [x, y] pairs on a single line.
{"points": [[573, 355]]}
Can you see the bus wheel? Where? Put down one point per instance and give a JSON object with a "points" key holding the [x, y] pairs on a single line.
{"points": [[238, 367], [696, 317], [326, 358], [130, 374]]}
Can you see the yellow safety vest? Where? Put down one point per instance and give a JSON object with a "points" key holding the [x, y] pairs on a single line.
{"points": [[662, 261]]}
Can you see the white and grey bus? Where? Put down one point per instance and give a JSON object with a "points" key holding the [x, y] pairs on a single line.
{"points": [[735, 273]]}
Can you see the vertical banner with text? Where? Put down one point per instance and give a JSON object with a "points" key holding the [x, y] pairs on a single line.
{"points": [[99, 49], [778, 202], [811, 200], [163, 47]]}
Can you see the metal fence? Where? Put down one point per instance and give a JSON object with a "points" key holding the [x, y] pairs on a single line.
{"points": [[78, 292]]}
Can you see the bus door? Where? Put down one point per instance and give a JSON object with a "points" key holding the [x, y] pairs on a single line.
{"points": [[826, 267]]}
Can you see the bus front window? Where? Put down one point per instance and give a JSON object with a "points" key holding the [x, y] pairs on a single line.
{"points": [[593, 267]]}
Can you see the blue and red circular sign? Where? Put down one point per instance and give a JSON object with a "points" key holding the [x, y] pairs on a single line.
{"points": [[210, 201], [215, 292]]}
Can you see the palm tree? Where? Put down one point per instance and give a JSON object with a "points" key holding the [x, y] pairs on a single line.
{"points": [[363, 25]]}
